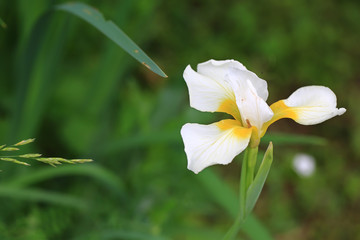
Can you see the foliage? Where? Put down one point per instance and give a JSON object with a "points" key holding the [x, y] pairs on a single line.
{"points": [[82, 96]]}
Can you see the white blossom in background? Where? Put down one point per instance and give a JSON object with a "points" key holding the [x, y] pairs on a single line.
{"points": [[304, 164]]}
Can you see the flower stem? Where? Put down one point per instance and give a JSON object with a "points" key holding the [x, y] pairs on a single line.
{"points": [[246, 178], [251, 163]]}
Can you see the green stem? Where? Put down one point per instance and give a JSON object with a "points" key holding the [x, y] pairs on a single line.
{"points": [[246, 178], [251, 163]]}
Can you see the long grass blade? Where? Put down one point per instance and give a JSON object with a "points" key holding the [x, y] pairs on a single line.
{"points": [[109, 29], [2, 23], [93, 171], [35, 75], [36, 195], [291, 139], [119, 234]]}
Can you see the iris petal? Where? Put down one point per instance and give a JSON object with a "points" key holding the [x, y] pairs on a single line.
{"points": [[210, 94], [307, 106], [219, 69], [216, 143], [253, 109]]}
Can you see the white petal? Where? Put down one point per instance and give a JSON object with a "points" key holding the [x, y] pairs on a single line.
{"points": [[253, 109], [313, 104], [217, 143], [206, 94], [219, 69]]}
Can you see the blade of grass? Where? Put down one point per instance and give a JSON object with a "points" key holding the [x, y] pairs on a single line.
{"points": [[115, 234], [289, 139], [25, 65], [37, 195], [29, 12], [2, 23], [37, 67], [119, 234], [109, 29], [93, 171]]}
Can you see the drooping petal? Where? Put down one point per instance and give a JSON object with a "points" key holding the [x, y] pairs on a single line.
{"points": [[219, 69], [210, 94], [216, 143], [307, 105], [253, 109]]}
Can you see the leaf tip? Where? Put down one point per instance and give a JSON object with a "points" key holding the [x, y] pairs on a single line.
{"points": [[270, 148]]}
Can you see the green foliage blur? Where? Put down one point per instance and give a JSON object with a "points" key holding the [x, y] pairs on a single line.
{"points": [[81, 96]]}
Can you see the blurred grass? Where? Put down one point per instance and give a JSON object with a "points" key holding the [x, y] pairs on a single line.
{"points": [[82, 96], [2, 23]]}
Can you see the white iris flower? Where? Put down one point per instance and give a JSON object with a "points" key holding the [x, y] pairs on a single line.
{"points": [[227, 86]]}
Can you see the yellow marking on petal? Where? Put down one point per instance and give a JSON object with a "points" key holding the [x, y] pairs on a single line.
{"points": [[281, 110], [234, 125], [229, 106]]}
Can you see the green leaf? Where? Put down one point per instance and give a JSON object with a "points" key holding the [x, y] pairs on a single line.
{"points": [[255, 188], [36, 65], [109, 29], [120, 234], [226, 197], [288, 139], [42, 196], [98, 173]]}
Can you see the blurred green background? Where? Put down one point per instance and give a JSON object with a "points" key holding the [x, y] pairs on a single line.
{"points": [[81, 96]]}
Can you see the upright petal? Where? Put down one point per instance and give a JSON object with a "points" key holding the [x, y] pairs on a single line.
{"points": [[307, 105], [253, 109], [216, 143], [210, 94], [219, 69]]}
